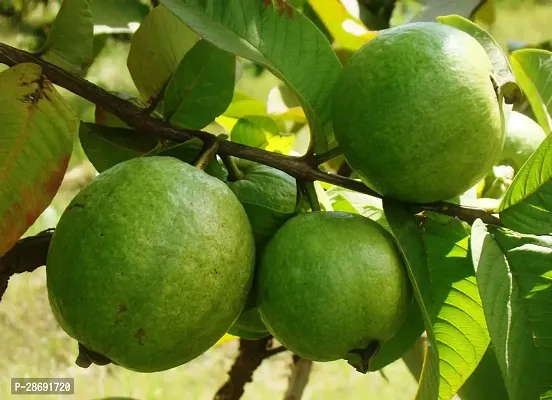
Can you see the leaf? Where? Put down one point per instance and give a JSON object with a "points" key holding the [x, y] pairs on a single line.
{"points": [[111, 16], [411, 245], [486, 382], [432, 9], [348, 31], [156, 50], [502, 69], [281, 39], [514, 275], [533, 69], [70, 42], [243, 105], [263, 133], [37, 133], [527, 204], [457, 316], [107, 146], [201, 87]]}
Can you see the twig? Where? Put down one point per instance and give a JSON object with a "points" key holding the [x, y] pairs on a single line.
{"points": [[252, 353], [300, 371], [310, 192], [207, 155], [327, 156], [135, 117], [27, 255]]}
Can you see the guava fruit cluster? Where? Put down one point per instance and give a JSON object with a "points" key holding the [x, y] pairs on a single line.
{"points": [[416, 113], [156, 260]]}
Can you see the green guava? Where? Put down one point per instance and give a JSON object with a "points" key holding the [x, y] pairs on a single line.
{"points": [[269, 197], [416, 114], [330, 284], [151, 263], [523, 137]]}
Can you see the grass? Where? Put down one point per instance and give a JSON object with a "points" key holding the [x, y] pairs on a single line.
{"points": [[33, 345]]}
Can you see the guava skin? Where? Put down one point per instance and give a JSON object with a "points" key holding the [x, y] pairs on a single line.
{"points": [[332, 282], [151, 263], [523, 137], [416, 114]]}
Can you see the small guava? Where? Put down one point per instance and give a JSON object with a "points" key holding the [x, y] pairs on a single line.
{"points": [[331, 284], [151, 263], [523, 137], [269, 197], [416, 114]]}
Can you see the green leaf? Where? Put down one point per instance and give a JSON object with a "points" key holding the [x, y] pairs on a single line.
{"points": [[533, 69], [347, 30], [457, 316], [514, 275], [486, 382], [111, 16], [263, 133], [411, 245], [278, 37], [37, 134], [432, 9], [70, 42], [243, 105], [527, 204], [269, 197], [107, 146], [502, 69], [201, 87], [157, 48]]}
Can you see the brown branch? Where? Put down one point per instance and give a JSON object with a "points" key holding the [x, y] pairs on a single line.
{"points": [[300, 371], [252, 353], [135, 117], [27, 255]]}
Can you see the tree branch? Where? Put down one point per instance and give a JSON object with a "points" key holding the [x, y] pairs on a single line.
{"points": [[300, 371], [27, 255], [252, 353], [135, 117]]}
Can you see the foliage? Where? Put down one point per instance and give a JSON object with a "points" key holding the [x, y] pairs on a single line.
{"points": [[480, 278]]}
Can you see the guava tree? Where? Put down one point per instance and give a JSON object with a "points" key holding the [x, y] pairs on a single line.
{"points": [[417, 216]]}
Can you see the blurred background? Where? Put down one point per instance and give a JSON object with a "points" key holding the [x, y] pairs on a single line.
{"points": [[32, 344]]}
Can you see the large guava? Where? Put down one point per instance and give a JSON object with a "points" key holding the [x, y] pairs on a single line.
{"points": [[523, 137], [331, 284], [269, 197], [416, 114], [151, 263]]}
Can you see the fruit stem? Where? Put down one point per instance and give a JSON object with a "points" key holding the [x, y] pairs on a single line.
{"points": [[234, 173], [208, 155], [310, 191]]}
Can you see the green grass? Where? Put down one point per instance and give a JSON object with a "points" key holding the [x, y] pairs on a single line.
{"points": [[32, 344]]}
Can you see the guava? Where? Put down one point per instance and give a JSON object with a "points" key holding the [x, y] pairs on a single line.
{"points": [[151, 263], [416, 114], [523, 137], [331, 284], [269, 197]]}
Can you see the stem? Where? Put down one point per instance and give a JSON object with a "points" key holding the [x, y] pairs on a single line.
{"points": [[310, 191], [208, 155], [136, 118], [300, 371], [252, 353], [327, 156], [234, 173]]}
